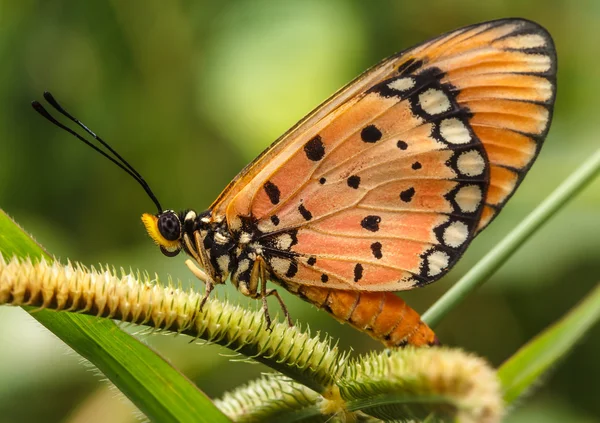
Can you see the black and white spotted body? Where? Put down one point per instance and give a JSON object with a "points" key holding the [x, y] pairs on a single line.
{"points": [[224, 253]]}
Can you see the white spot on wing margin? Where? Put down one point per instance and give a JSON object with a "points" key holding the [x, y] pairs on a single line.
{"points": [[437, 262], [455, 234], [402, 84], [454, 131], [434, 101], [470, 163]]}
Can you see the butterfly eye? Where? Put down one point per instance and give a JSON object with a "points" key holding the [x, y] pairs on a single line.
{"points": [[169, 226]]}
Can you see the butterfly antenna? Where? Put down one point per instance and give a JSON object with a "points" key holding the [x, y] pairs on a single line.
{"points": [[119, 161]]}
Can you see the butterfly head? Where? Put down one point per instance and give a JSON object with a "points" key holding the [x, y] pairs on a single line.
{"points": [[165, 228]]}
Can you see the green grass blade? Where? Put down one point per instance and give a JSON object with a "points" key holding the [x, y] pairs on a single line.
{"points": [[538, 356], [505, 248], [160, 391]]}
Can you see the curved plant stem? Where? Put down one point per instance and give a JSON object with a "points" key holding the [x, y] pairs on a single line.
{"points": [[141, 300], [505, 248], [394, 385]]}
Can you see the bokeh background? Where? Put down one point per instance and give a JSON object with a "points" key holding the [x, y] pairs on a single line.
{"points": [[191, 91]]}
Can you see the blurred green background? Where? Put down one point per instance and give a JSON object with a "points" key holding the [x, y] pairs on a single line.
{"points": [[191, 91]]}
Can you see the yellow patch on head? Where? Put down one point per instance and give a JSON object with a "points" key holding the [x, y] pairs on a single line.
{"points": [[151, 224]]}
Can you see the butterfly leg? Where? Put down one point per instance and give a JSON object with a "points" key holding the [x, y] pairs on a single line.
{"points": [[264, 293], [259, 275], [274, 293], [201, 274], [251, 289]]}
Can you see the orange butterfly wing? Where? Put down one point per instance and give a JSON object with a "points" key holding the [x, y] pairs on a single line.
{"points": [[384, 186]]}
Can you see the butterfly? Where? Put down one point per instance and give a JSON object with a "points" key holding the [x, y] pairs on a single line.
{"points": [[382, 187]]}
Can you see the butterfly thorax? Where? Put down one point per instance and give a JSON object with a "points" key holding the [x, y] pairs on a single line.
{"points": [[220, 251], [206, 238]]}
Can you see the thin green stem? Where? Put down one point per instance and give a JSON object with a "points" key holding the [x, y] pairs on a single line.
{"points": [[505, 248]]}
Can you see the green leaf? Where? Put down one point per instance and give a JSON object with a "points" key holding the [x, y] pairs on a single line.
{"points": [[519, 235], [160, 391], [534, 360]]}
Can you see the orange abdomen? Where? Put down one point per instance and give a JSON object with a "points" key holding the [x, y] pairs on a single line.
{"points": [[383, 315]]}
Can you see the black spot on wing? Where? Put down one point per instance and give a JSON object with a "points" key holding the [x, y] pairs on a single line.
{"points": [[322, 181], [294, 234], [292, 270], [324, 278], [376, 250], [275, 220], [358, 272], [417, 166], [371, 223], [407, 195], [354, 181], [311, 261], [315, 149], [402, 145], [370, 134], [272, 191], [307, 215]]}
